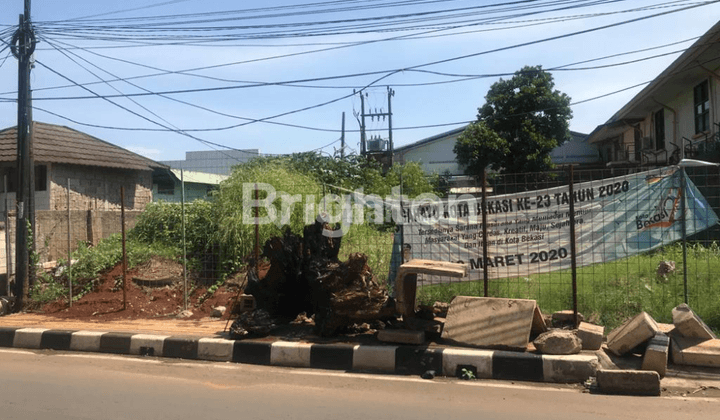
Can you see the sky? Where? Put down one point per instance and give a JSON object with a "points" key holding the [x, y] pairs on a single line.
{"points": [[162, 78]]}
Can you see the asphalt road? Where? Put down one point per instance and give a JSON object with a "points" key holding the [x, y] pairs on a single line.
{"points": [[58, 385]]}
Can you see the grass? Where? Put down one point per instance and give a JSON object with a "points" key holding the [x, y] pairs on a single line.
{"points": [[610, 293]]}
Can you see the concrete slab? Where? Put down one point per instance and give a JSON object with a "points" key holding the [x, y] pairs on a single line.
{"points": [[86, 340], [481, 360], [665, 328], [569, 369], [402, 336], [628, 382], [591, 335], [217, 349], [283, 353], [406, 280], [147, 344], [656, 354], [374, 358], [695, 351], [28, 338], [632, 333], [489, 322], [689, 325]]}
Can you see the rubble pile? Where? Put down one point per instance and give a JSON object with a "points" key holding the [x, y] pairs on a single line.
{"points": [[305, 275]]}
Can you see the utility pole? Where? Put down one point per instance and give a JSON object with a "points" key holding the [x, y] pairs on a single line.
{"points": [[391, 93], [23, 46], [377, 146], [342, 138], [362, 122]]}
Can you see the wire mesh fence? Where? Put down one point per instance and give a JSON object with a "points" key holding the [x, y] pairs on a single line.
{"points": [[644, 240], [609, 242]]}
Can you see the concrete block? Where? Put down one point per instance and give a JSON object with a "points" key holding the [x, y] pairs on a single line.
{"points": [[147, 345], [569, 369], [689, 325], [538, 323], [375, 358], [489, 322], [632, 333], [665, 328], [591, 335], [558, 342], [402, 336], [565, 317], [628, 382], [217, 349], [28, 338], [695, 351], [656, 354], [480, 359], [283, 353], [86, 340]]}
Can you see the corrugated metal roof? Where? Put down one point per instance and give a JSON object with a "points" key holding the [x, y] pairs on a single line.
{"points": [[59, 144], [199, 177]]}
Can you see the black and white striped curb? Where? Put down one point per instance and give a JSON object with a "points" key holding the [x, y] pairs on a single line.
{"points": [[404, 360]]}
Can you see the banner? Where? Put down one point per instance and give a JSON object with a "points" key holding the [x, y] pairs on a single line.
{"points": [[529, 232]]}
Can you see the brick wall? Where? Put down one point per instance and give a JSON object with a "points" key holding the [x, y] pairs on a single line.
{"points": [[93, 188], [94, 203]]}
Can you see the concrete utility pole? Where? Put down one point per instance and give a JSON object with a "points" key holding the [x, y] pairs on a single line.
{"points": [[23, 46]]}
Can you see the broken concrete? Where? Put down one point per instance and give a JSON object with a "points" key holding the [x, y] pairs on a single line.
{"points": [[632, 333], [538, 323], [628, 382], [562, 318], [656, 354], [689, 325], [558, 342], [402, 336], [591, 335], [406, 281], [695, 351], [489, 322]]}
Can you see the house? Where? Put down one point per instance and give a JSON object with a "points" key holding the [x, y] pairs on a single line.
{"points": [[78, 179], [676, 116], [168, 184], [213, 161], [435, 154]]}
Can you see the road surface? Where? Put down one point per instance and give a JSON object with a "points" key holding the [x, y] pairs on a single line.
{"points": [[58, 385]]}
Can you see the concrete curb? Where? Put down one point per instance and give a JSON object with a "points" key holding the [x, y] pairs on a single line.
{"points": [[403, 360]]}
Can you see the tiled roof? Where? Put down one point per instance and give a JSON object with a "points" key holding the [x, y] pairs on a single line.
{"points": [[59, 144]]}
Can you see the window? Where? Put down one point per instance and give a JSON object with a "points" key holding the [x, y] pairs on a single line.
{"points": [[701, 100], [11, 174], [660, 130]]}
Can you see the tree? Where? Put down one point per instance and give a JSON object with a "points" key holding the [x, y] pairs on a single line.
{"points": [[522, 120]]}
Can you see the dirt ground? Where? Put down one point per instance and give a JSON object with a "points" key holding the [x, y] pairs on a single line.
{"points": [[154, 290]]}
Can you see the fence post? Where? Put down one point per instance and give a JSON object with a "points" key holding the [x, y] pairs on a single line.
{"points": [[182, 211], [124, 251], [257, 231], [573, 260], [69, 244], [683, 227], [8, 245], [483, 206]]}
